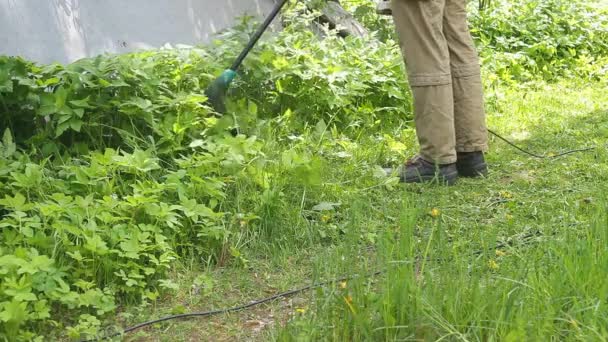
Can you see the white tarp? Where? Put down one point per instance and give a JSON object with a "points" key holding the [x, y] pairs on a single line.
{"points": [[66, 30]]}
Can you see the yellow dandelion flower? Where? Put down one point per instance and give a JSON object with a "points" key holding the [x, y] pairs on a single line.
{"points": [[343, 285], [349, 302], [301, 310], [506, 194], [493, 265], [435, 212]]}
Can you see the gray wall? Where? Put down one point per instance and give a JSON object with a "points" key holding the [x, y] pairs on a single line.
{"points": [[66, 30]]}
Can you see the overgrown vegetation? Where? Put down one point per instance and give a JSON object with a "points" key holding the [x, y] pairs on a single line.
{"points": [[544, 40], [526, 40], [114, 170], [518, 256]]}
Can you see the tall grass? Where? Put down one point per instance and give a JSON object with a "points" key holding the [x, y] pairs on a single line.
{"points": [[534, 289]]}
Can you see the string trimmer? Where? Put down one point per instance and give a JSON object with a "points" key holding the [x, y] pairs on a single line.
{"points": [[216, 92]]}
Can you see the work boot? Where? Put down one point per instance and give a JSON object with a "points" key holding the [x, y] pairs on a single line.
{"points": [[418, 170], [471, 164], [384, 7]]}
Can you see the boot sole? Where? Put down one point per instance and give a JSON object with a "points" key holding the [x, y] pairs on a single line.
{"points": [[479, 171], [430, 179], [474, 175], [424, 179]]}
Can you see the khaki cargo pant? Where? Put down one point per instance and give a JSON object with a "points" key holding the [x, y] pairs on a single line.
{"points": [[445, 77]]}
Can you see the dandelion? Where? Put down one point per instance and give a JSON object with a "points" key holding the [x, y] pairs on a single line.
{"points": [[343, 285], [301, 310], [493, 265], [349, 302], [435, 212], [506, 194]]}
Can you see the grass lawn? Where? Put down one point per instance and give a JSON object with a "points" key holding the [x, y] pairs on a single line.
{"points": [[521, 255]]}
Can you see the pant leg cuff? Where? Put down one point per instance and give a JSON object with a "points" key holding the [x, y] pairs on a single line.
{"points": [[441, 161], [472, 148]]}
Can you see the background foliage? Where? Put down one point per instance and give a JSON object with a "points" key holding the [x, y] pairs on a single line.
{"points": [[526, 40]]}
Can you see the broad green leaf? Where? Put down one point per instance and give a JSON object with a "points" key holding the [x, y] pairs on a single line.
{"points": [[79, 112], [42, 310], [61, 96], [320, 128], [168, 284], [83, 103], [64, 118], [21, 294], [6, 83], [37, 264], [49, 82], [7, 138], [47, 104], [61, 128], [10, 262], [326, 206], [131, 248], [17, 203], [14, 312], [76, 125], [96, 245]]}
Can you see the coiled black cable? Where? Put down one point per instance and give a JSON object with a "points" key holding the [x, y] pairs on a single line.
{"points": [[548, 156]]}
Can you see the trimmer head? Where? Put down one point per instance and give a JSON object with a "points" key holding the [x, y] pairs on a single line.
{"points": [[216, 91]]}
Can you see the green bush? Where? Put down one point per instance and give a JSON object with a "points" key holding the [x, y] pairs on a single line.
{"points": [[106, 177], [113, 167], [529, 40], [106, 101], [351, 82], [86, 233], [526, 40]]}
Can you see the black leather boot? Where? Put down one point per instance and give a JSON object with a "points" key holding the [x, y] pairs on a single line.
{"points": [[418, 170], [471, 164]]}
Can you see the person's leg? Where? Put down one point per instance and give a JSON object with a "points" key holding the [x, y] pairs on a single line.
{"points": [[420, 29], [469, 113], [419, 26]]}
